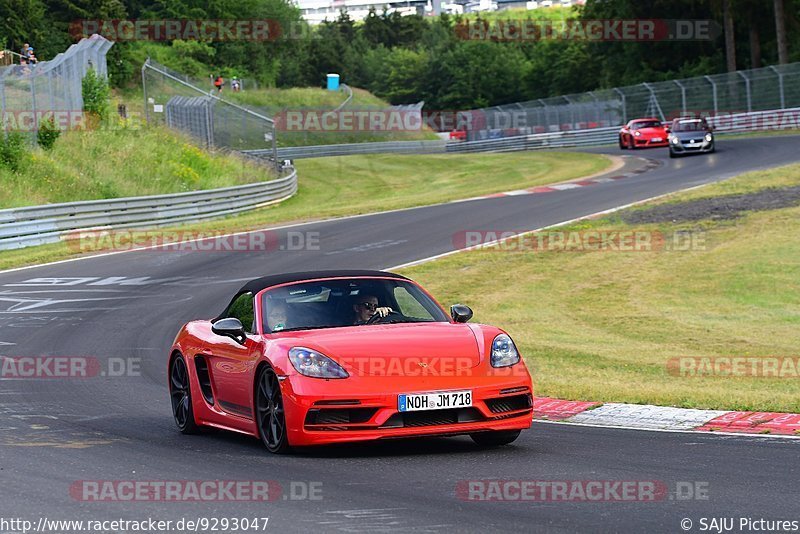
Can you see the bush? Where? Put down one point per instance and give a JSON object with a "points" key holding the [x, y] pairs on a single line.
{"points": [[12, 150], [94, 89], [47, 134]]}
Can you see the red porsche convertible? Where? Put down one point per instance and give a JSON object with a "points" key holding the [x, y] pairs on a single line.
{"points": [[641, 133], [339, 356]]}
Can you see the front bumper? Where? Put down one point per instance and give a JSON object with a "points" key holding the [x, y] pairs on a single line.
{"points": [[639, 142], [684, 148], [321, 412]]}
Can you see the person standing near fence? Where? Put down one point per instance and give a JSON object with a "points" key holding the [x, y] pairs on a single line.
{"points": [[25, 54], [219, 83]]}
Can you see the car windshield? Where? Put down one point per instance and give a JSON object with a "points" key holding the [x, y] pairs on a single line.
{"points": [[645, 124], [696, 125], [347, 302]]}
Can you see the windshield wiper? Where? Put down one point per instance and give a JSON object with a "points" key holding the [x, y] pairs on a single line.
{"points": [[296, 328]]}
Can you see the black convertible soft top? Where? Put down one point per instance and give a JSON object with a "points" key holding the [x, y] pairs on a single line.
{"points": [[254, 286]]}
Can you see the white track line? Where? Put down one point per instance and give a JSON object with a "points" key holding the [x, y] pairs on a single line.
{"points": [[268, 228], [526, 232], [672, 431]]}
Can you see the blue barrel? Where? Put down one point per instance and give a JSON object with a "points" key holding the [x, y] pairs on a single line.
{"points": [[333, 82]]}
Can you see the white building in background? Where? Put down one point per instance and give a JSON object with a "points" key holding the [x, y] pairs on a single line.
{"points": [[316, 11]]}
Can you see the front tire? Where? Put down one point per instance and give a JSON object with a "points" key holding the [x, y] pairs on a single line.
{"points": [[495, 438], [271, 417], [180, 393], [621, 144]]}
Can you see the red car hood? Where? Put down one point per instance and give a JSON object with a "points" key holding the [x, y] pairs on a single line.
{"points": [[396, 349], [653, 132]]}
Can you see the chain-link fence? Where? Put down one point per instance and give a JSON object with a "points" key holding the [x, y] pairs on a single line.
{"points": [[29, 92], [769, 88], [177, 101]]}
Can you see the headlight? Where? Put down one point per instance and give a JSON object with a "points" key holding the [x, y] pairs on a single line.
{"points": [[311, 363], [709, 138], [504, 353], [674, 140], [637, 134]]}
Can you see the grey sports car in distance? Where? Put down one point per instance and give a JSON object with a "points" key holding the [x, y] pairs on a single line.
{"points": [[690, 136]]}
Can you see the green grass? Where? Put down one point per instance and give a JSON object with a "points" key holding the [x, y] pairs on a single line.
{"points": [[120, 163], [603, 325], [275, 101], [333, 187], [302, 97]]}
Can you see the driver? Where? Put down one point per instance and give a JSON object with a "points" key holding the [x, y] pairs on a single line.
{"points": [[276, 316], [366, 307]]}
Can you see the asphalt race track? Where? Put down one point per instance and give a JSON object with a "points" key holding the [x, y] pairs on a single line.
{"points": [[128, 307]]}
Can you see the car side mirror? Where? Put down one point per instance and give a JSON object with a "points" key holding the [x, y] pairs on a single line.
{"points": [[230, 327], [460, 313]]}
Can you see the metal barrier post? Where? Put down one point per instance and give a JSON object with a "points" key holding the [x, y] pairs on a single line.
{"points": [[683, 97], [780, 85], [713, 92], [747, 90], [624, 105], [144, 89]]}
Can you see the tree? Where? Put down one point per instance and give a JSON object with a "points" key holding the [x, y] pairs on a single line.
{"points": [[730, 39], [780, 32]]}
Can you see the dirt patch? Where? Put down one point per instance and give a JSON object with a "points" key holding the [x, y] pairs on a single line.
{"points": [[717, 208]]}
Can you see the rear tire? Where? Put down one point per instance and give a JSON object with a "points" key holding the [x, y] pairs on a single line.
{"points": [[496, 438], [180, 392]]}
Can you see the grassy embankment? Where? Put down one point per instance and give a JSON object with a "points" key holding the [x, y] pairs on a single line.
{"points": [[605, 325]]}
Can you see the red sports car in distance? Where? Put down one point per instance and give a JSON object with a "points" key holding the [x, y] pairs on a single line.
{"points": [[339, 356], [458, 135], [641, 133]]}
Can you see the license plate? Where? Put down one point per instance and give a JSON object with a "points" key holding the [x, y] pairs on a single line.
{"points": [[693, 145], [656, 140], [439, 400]]}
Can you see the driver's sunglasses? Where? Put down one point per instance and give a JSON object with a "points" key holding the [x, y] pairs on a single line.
{"points": [[369, 305]]}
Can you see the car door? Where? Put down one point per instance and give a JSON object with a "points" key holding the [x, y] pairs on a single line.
{"points": [[232, 363]]}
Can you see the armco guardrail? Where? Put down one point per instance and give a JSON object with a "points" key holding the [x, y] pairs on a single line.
{"points": [[777, 119], [600, 136], [320, 151], [757, 121], [595, 137], [37, 225]]}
